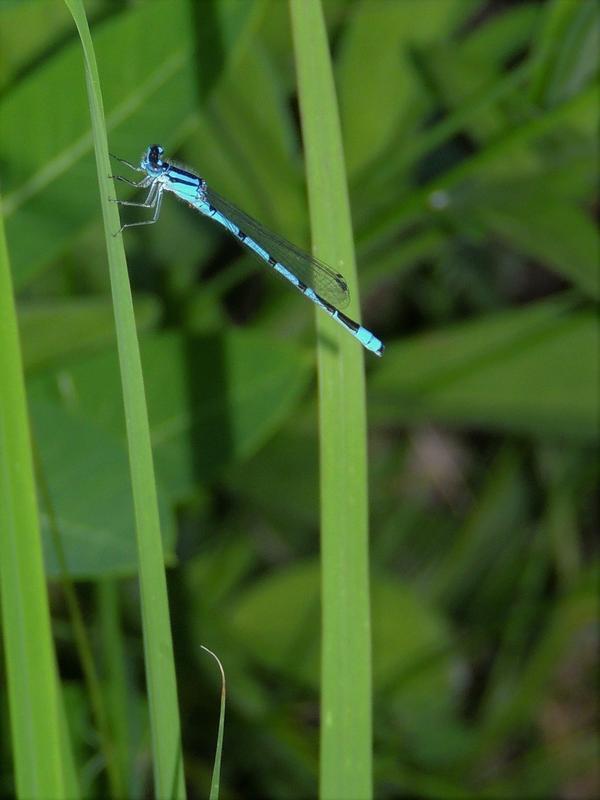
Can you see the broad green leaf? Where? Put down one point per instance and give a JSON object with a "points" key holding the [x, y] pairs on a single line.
{"points": [[541, 214], [27, 28], [151, 94], [277, 620], [399, 261], [532, 370], [288, 498], [460, 73], [53, 330], [378, 186], [375, 72], [501, 36], [212, 399], [580, 111], [86, 473], [558, 235], [248, 151]]}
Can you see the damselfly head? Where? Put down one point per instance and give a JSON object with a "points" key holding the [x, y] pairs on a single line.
{"points": [[152, 161]]}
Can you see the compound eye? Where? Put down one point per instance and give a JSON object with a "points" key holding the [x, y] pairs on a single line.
{"points": [[155, 151]]}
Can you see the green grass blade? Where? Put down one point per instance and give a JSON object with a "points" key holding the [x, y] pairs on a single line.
{"points": [[346, 759], [158, 647], [216, 774], [30, 663]]}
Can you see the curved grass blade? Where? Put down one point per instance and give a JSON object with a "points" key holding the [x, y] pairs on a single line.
{"points": [[158, 644], [216, 775]]}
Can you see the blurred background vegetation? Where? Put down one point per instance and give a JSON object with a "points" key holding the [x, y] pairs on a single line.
{"points": [[470, 130]]}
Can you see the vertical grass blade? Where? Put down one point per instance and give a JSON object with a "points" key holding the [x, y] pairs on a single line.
{"points": [[346, 759], [158, 645], [30, 664]]}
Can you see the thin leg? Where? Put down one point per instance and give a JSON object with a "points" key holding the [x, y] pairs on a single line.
{"points": [[157, 204], [137, 184], [148, 202], [127, 163]]}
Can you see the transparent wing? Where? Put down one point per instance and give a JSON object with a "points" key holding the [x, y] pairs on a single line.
{"points": [[330, 285]]}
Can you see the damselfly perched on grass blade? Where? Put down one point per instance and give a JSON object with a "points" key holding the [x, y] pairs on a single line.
{"points": [[315, 280]]}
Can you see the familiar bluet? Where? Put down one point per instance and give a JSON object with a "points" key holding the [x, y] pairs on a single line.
{"points": [[315, 280]]}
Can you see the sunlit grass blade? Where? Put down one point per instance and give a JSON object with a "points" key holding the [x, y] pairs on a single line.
{"points": [[158, 646], [346, 759], [32, 680]]}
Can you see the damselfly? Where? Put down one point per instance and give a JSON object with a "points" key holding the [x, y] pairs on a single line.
{"points": [[315, 280]]}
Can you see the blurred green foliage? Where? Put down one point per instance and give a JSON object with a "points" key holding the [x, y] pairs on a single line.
{"points": [[470, 139]]}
